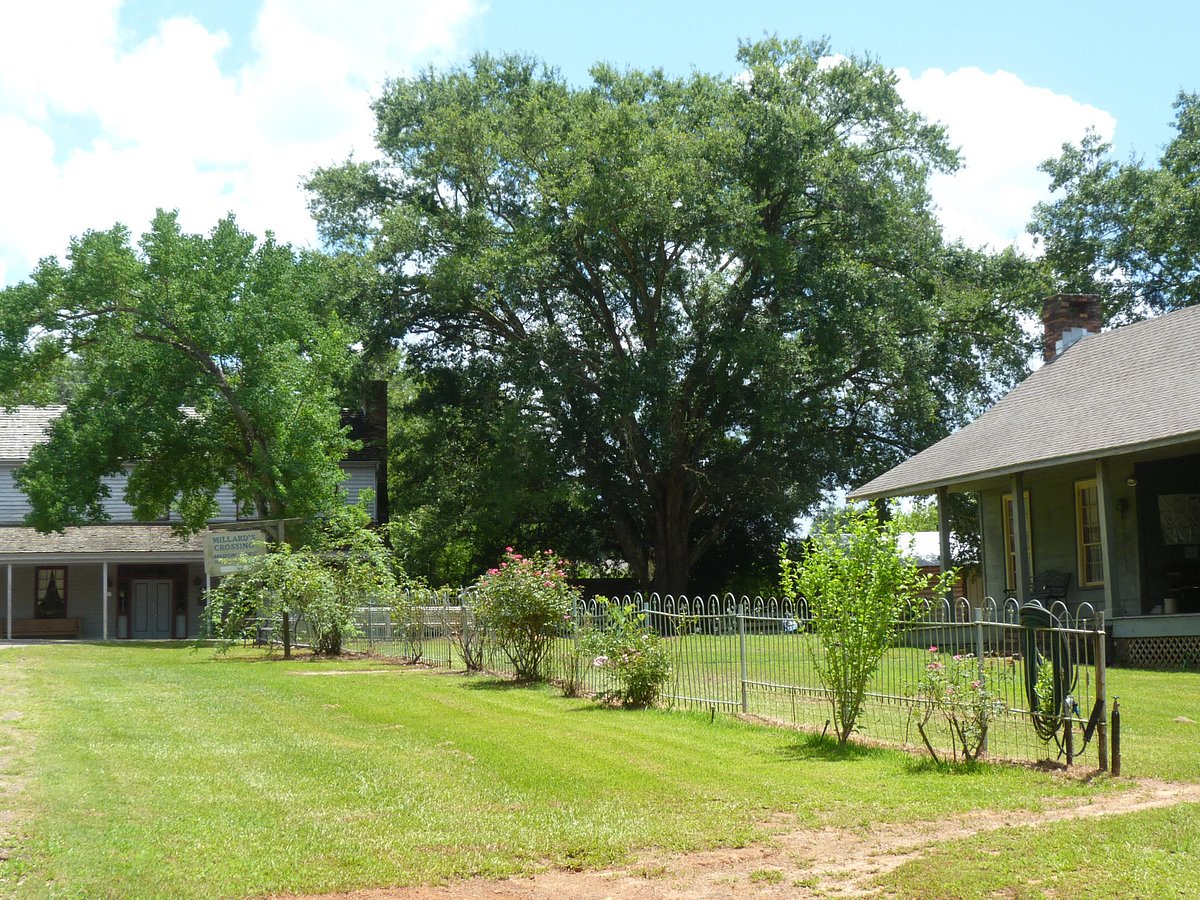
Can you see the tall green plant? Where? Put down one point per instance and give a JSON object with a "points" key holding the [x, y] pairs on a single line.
{"points": [[857, 584]]}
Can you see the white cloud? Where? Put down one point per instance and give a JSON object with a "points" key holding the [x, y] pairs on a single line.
{"points": [[165, 125], [1005, 129]]}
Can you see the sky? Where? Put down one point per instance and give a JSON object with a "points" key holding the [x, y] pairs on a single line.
{"points": [[110, 109]]}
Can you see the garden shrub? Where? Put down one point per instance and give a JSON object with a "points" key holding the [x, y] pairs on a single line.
{"points": [[964, 694], [524, 603], [637, 657], [341, 565], [857, 584], [470, 638]]}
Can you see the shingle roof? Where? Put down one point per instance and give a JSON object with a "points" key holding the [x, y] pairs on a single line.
{"points": [[23, 427], [1131, 388], [99, 539]]}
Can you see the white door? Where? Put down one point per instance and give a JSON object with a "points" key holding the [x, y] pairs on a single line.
{"points": [[151, 609]]}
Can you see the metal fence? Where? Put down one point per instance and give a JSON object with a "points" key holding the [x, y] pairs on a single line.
{"points": [[762, 657]]}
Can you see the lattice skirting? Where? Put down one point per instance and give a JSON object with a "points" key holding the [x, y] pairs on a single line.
{"points": [[1166, 652]]}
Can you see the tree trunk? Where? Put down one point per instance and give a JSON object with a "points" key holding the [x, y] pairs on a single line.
{"points": [[672, 565], [672, 535]]}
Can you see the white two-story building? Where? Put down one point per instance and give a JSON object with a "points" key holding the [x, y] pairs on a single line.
{"points": [[125, 579]]}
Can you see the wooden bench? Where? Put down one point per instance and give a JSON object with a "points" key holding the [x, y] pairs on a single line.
{"points": [[46, 628]]}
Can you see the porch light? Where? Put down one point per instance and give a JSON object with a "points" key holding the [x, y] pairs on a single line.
{"points": [[1131, 481]]}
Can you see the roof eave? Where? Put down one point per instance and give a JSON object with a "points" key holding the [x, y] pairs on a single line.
{"points": [[919, 488]]}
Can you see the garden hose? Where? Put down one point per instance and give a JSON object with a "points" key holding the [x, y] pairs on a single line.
{"points": [[1046, 722]]}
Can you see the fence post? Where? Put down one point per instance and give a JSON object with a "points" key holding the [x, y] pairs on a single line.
{"points": [[1116, 737], [576, 668], [741, 620], [1068, 730], [1100, 650], [977, 615]]}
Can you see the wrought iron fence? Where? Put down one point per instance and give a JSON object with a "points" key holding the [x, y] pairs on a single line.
{"points": [[1045, 667]]}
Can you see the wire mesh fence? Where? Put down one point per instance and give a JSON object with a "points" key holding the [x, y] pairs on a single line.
{"points": [[1044, 668]]}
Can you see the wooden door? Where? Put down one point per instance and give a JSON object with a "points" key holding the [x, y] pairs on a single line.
{"points": [[151, 609]]}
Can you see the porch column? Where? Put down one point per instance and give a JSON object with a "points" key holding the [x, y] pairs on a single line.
{"points": [[8, 617], [1021, 535], [104, 598], [1108, 537], [943, 509]]}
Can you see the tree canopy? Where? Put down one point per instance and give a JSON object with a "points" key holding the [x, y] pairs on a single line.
{"points": [[202, 361], [1128, 231], [713, 297]]}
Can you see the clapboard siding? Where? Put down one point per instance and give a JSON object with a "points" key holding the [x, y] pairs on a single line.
{"points": [[14, 505], [360, 476], [115, 506], [226, 504]]}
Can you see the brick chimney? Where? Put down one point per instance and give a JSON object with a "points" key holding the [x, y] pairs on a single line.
{"points": [[375, 410], [1066, 318]]}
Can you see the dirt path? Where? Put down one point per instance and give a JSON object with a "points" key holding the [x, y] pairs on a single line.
{"points": [[826, 862]]}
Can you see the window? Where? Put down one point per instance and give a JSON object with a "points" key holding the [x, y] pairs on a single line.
{"points": [[1010, 541], [50, 601], [1087, 533]]}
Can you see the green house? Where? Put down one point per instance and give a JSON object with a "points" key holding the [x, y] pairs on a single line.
{"points": [[1090, 469]]}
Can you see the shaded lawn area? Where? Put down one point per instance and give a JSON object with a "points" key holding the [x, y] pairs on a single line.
{"points": [[162, 771]]}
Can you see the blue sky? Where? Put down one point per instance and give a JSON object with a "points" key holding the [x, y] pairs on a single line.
{"points": [[1129, 59], [109, 109]]}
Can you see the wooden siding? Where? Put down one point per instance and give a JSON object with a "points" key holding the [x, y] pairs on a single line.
{"points": [[14, 505], [360, 476], [1052, 516]]}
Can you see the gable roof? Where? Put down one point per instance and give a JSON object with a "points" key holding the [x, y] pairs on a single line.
{"points": [[1128, 389], [22, 427]]}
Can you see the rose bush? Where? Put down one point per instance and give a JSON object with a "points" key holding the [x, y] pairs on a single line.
{"points": [[637, 658], [524, 602], [965, 694]]}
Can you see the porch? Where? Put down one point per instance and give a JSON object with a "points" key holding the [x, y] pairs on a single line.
{"points": [[101, 583]]}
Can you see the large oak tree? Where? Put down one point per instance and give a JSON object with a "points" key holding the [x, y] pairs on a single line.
{"points": [[716, 297]]}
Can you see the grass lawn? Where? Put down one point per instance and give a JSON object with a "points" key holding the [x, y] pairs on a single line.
{"points": [[162, 771], [1146, 854]]}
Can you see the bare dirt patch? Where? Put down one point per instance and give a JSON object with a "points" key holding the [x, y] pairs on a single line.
{"points": [[807, 863]]}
